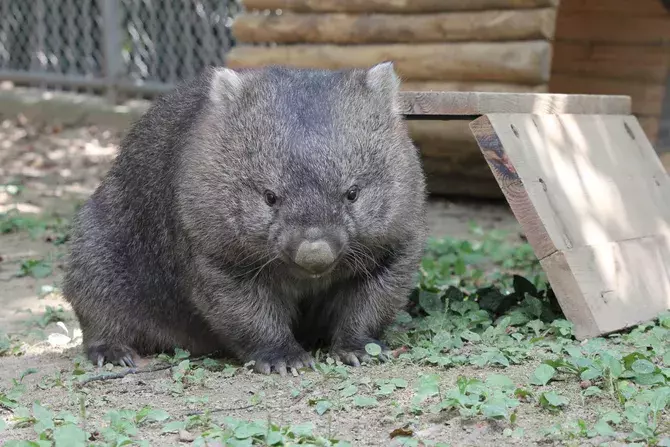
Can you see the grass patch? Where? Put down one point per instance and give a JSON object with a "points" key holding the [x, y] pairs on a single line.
{"points": [[481, 304]]}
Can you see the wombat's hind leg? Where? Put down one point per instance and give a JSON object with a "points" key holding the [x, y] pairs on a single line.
{"points": [[116, 353]]}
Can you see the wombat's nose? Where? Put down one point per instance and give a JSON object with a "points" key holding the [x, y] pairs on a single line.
{"points": [[314, 256]]}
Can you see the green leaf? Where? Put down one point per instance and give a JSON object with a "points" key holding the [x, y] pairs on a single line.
{"points": [[70, 435], [274, 438], [3, 425], [373, 349], [494, 410], [364, 401], [173, 427], [158, 415], [500, 381], [542, 375], [604, 429], [322, 406], [249, 430], [554, 399], [470, 336], [590, 374], [592, 391], [349, 391], [305, 429], [431, 302], [643, 366]]}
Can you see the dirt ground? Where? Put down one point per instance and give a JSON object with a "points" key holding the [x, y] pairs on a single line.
{"points": [[59, 168]]}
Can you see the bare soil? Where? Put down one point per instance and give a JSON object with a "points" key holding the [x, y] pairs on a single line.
{"points": [[59, 168]]}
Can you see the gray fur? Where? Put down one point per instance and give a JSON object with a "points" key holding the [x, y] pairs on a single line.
{"points": [[178, 246]]}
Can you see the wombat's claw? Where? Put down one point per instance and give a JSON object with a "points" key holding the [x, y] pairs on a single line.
{"points": [[115, 354], [285, 364], [356, 357]]}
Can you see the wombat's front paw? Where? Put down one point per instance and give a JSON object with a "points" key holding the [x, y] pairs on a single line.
{"points": [[354, 356], [115, 353], [280, 361]]}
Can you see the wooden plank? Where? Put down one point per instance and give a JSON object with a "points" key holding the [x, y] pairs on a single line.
{"points": [[513, 62], [475, 26], [597, 27], [649, 8], [436, 86], [630, 62], [395, 6], [647, 98], [594, 202], [480, 103]]}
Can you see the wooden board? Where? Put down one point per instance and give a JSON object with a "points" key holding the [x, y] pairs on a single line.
{"points": [[526, 62], [598, 27], [594, 202], [649, 8], [523, 24], [480, 103], [611, 61], [647, 97], [436, 86], [405, 6]]}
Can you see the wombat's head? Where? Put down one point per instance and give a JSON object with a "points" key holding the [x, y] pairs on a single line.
{"points": [[307, 170]]}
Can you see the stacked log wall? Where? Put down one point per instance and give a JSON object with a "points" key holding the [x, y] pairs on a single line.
{"points": [[457, 45]]}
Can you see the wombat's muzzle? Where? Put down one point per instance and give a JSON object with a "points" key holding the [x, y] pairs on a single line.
{"points": [[314, 251], [315, 257]]}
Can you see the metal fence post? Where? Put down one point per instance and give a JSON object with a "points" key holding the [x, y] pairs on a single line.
{"points": [[112, 46]]}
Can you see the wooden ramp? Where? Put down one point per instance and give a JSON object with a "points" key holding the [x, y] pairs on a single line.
{"points": [[588, 189]]}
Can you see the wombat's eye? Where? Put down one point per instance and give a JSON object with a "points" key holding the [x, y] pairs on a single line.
{"points": [[352, 193], [270, 198]]}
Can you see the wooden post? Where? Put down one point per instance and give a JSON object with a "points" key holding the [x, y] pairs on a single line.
{"points": [[588, 190]]}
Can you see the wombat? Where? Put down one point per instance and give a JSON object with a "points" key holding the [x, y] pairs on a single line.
{"points": [[257, 213]]}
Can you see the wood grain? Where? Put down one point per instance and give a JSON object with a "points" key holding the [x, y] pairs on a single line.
{"points": [[647, 98], [437, 86], [628, 8], [480, 103], [475, 26], [391, 6], [508, 62], [613, 286], [512, 187], [606, 28], [594, 202], [611, 61]]}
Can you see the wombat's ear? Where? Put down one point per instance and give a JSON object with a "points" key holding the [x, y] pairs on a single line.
{"points": [[226, 85], [384, 79]]}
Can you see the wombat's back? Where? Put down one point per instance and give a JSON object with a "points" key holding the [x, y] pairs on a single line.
{"points": [[125, 272]]}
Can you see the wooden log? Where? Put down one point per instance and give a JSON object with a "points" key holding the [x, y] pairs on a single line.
{"points": [[591, 196], [386, 6], [631, 62], [480, 103], [647, 98], [514, 62], [597, 27], [397, 28]]}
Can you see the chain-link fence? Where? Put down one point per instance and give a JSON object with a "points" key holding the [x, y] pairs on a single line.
{"points": [[127, 47]]}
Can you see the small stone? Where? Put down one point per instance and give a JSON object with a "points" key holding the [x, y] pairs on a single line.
{"points": [[584, 384], [186, 436]]}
